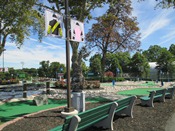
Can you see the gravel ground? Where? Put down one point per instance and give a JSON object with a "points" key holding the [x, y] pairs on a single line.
{"points": [[158, 118], [145, 119]]}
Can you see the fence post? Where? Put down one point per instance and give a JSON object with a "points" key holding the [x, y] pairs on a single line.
{"points": [[47, 87], [24, 90]]}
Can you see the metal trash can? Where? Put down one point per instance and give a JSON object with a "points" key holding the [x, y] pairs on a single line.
{"points": [[78, 101]]}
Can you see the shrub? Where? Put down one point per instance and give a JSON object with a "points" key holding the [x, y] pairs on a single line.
{"points": [[60, 84], [109, 74], [11, 81]]}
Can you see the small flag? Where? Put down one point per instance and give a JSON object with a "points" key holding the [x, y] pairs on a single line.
{"points": [[77, 31], [53, 24]]}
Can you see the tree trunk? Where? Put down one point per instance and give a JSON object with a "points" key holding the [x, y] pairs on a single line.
{"points": [[103, 62], [2, 43], [78, 80]]}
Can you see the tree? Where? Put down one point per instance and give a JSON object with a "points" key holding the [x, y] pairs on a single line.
{"points": [[172, 49], [165, 60], [153, 53], [124, 59], [163, 3], [114, 31], [31, 72], [112, 63], [79, 10], [139, 65], [85, 69], [17, 18], [43, 71], [95, 64], [55, 68]]}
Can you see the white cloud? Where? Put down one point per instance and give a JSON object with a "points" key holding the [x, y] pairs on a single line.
{"points": [[150, 19], [49, 44], [154, 26], [31, 53], [168, 37]]}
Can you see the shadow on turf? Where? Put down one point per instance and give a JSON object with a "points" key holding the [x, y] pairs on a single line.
{"points": [[5, 119]]}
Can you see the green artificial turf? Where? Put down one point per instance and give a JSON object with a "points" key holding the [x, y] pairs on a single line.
{"points": [[12, 110], [137, 91], [150, 83]]}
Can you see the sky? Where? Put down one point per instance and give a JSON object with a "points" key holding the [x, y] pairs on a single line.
{"points": [[157, 27]]}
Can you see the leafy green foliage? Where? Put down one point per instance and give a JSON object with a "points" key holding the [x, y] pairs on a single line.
{"points": [[172, 49], [95, 64], [48, 69], [79, 10], [153, 53], [114, 31], [17, 18], [139, 65], [165, 60], [112, 63], [85, 69], [163, 3]]}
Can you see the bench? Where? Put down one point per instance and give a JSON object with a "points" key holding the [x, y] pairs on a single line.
{"points": [[170, 92], [101, 116], [158, 95], [70, 124], [125, 106]]}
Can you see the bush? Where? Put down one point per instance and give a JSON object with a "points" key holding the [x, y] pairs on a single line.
{"points": [[60, 84], [7, 82], [109, 74], [92, 85], [110, 79]]}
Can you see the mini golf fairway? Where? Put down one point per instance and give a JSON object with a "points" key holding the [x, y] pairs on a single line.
{"points": [[137, 91], [12, 110]]}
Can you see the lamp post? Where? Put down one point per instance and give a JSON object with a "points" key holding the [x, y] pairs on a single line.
{"points": [[67, 27]]}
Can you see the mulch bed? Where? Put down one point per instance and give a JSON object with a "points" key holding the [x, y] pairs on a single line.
{"points": [[145, 119]]}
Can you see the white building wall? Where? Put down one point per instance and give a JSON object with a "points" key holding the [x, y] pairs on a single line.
{"points": [[153, 71]]}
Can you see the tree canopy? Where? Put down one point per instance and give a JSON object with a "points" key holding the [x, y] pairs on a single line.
{"points": [[95, 64], [139, 65], [48, 69], [172, 49], [115, 31], [153, 53], [79, 10], [17, 19]]}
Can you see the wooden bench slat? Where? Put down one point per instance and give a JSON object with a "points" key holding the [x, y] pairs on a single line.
{"points": [[101, 116], [121, 108], [125, 106], [58, 128], [95, 115], [88, 123], [170, 92], [157, 95]]}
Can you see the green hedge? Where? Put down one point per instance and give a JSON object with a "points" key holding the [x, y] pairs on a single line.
{"points": [[106, 79]]}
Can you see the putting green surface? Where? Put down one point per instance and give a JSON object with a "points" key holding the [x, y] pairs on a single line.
{"points": [[137, 91], [12, 110], [148, 83]]}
